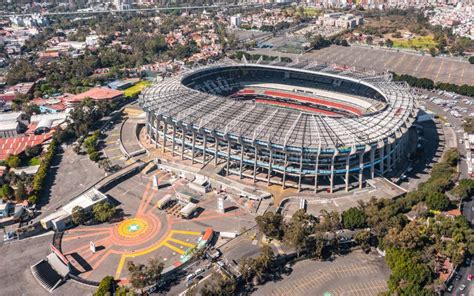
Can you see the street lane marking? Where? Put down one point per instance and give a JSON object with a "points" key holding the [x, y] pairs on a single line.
{"points": [[176, 249], [181, 242], [439, 70]]}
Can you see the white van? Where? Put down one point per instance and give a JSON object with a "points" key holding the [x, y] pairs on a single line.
{"points": [[190, 277]]}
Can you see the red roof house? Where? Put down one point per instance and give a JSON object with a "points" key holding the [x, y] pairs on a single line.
{"points": [[96, 94]]}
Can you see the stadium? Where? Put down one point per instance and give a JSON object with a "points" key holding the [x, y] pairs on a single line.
{"points": [[300, 125]]}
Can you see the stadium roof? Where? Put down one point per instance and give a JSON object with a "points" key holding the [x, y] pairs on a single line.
{"points": [[285, 127]]}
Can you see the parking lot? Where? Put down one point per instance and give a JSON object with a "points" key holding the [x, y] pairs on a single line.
{"points": [[380, 60], [353, 274]]}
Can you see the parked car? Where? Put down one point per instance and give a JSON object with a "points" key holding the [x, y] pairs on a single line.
{"points": [[199, 271], [462, 287], [10, 236]]}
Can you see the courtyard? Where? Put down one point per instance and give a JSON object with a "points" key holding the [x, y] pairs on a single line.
{"points": [[143, 231]]}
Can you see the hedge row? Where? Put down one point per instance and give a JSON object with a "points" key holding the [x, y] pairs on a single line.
{"points": [[465, 90], [254, 57], [40, 176]]}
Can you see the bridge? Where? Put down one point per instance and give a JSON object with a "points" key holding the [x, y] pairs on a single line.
{"points": [[137, 10]]}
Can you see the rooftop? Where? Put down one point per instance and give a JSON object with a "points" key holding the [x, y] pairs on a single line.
{"points": [[97, 94], [86, 200], [15, 146]]}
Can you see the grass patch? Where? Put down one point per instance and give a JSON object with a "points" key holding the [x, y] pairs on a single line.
{"points": [[422, 42], [311, 11], [137, 88], [34, 161]]}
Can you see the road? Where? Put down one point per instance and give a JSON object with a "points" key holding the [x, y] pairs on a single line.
{"points": [[453, 134], [135, 10]]}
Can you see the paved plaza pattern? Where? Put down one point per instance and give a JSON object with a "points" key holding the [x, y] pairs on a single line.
{"points": [[356, 274], [144, 232]]}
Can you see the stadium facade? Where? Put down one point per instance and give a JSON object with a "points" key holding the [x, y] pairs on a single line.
{"points": [[299, 125]]}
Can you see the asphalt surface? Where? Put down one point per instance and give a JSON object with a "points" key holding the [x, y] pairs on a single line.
{"points": [[70, 174], [366, 58], [17, 279], [352, 274]]}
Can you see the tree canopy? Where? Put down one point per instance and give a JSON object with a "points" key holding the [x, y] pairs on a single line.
{"points": [[103, 211], [271, 224], [354, 218]]}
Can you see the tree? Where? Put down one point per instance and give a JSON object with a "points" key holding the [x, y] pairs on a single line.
{"points": [[369, 40], [408, 273], [78, 215], [219, 285], [13, 161], [136, 275], [318, 42], [315, 245], [21, 71], [33, 199], [330, 221], [103, 211], [354, 218], [437, 201], [153, 271], [298, 230], [20, 192], [141, 276], [389, 43], [464, 189], [33, 151], [452, 156], [471, 59], [106, 287], [362, 238], [124, 291], [6, 192], [409, 237], [271, 224]]}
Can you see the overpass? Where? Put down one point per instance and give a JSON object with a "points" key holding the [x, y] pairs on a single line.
{"points": [[137, 10]]}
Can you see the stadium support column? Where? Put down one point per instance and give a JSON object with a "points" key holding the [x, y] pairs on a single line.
{"points": [[316, 173], [331, 178], [347, 171], [301, 170], [165, 129], [270, 165], [241, 158], [204, 150], [284, 170], [372, 162], [382, 159], [183, 140], [389, 157], [255, 163], [399, 150], [173, 144], [157, 129], [149, 120], [193, 147], [361, 169], [216, 152], [228, 156]]}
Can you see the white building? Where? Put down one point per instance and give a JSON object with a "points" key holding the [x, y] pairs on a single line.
{"points": [[235, 21], [62, 218]]}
